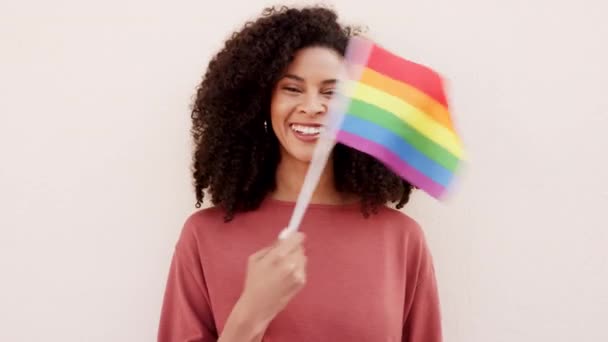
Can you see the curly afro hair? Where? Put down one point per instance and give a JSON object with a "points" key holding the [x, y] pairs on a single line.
{"points": [[235, 159]]}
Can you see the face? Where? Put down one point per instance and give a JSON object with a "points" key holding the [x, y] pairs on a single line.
{"points": [[300, 100]]}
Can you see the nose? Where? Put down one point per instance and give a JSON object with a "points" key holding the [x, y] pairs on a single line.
{"points": [[313, 105]]}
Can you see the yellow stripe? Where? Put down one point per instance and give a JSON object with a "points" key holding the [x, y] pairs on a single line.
{"points": [[408, 94], [408, 113]]}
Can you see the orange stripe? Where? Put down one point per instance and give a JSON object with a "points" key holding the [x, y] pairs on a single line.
{"points": [[408, 94]]}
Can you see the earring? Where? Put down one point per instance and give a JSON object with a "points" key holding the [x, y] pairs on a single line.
{"points": [[265, 126]]}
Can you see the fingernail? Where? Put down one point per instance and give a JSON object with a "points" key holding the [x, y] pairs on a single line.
{"points": [[283, 234]]}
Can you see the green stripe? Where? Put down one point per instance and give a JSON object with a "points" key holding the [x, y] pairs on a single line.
{"points": [[389, 121]]}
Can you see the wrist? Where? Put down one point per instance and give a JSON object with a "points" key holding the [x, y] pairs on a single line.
{"points": [[244, 324]]}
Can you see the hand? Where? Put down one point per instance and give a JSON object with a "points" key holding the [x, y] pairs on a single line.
{"points": [[275, 275]]}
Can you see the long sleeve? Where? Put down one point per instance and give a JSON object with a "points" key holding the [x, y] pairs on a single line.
{"points": [[423, 316], [186, 314]]}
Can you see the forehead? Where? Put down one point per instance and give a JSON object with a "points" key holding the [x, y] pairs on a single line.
{"points": [[314, 62]]}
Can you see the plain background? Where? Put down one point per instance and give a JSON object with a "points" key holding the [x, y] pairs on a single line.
{"points": [[94, 158]]}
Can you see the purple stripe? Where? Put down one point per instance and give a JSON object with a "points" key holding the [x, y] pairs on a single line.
{"points": [[392, 161]]}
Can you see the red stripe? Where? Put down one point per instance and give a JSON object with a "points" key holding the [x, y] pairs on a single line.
{"points": [[414, 74]]}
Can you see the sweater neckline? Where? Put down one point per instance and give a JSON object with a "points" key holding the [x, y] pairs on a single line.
{"points": [[291, 204]]}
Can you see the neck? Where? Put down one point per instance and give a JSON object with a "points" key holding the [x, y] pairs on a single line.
{"points": [[290, 177]]}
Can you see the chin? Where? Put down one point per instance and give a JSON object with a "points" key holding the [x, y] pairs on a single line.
{"points": [[297, 150], [302, 155]]}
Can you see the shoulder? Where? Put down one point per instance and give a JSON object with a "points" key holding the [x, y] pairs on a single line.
{"points": [[400, 222], [204, 219], [405, 231], [198, 225]]}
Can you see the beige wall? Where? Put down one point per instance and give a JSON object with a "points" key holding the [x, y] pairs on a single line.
{"points": [[94, 182]]}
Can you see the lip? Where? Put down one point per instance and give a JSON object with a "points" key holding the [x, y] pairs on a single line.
{"points": [[307, 138]]}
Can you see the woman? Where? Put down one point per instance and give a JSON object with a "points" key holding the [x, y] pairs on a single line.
{"points": [[363, 272]]}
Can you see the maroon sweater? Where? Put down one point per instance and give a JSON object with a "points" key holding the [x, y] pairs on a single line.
{"points": [[367, 279]]}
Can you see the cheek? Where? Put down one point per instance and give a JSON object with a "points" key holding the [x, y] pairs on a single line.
{"points": [[280, 109]]}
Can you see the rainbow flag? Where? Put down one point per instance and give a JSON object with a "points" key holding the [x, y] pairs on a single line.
{"points": [[396, 111]]}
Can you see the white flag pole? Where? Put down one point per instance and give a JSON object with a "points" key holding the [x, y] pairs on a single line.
{"points": [[320, 156], [357, 52]]}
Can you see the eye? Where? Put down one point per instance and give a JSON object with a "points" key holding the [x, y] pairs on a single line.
{"points": [[292, 89], [329, 92]]}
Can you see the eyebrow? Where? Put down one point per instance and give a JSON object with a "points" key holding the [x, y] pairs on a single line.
{"points": [[300, 79]]}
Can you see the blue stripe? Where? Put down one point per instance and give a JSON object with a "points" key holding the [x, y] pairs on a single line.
{"points": [[406, 152]]}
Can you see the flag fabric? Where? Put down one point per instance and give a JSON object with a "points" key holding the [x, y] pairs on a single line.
{"points": [[396, 111]]}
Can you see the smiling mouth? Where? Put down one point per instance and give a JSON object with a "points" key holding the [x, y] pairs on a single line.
{"points": [[307, 130]]}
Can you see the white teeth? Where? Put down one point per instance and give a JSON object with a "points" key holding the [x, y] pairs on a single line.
{"points": [[308, 130]]}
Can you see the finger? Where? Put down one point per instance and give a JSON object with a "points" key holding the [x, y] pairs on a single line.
{"points": [[288, 264], [296, 255], [285, 233], [261, 253], [299, 278], [298, 274], [294, 262], [285, 247]]}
